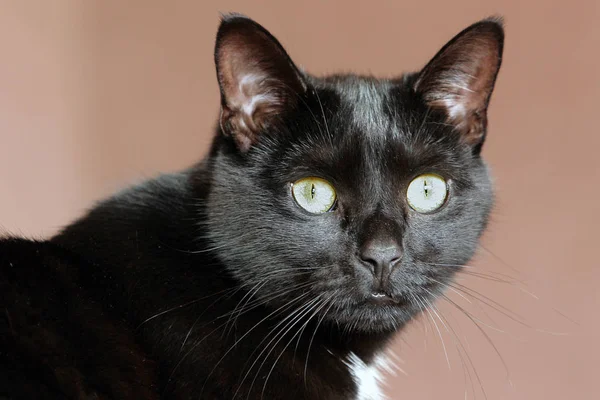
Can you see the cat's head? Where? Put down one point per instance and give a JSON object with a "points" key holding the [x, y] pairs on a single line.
{"points": [[349, 197]]}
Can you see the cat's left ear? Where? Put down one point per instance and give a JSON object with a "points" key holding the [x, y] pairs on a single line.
{"points": [[460, 79], [259, 82]]}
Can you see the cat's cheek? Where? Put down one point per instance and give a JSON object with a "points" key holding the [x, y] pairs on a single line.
{"points": [[320, 234]]}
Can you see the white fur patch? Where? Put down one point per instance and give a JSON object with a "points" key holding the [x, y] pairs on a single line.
{"points": [[249, 97], [368, 377], [456, 108]]}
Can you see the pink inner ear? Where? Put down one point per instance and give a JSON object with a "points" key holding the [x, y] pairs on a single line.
{"points": [[249, 93], [253, 99], [249, 97], [465, 88], [460, 79], [258, 81]]}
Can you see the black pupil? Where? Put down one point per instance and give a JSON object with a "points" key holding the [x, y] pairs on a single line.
{"points": [[312, 191]]}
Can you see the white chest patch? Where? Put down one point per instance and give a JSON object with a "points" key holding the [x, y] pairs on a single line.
{"points": [[368, 378]]}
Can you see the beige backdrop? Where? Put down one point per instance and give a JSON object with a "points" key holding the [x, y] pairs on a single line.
{"points": [[97, 95]]}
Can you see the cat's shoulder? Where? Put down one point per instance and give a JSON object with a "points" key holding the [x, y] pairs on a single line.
{"points": [[55, 342], [20, 257]]}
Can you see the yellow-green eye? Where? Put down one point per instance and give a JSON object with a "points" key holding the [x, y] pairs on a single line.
{"points": [[314, 194], [427, 193]]}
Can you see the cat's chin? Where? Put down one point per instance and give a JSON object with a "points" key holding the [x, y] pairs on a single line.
{"points": [[376, 314]]}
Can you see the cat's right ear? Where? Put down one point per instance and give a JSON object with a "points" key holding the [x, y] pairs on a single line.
{"points": [[258, 80]]}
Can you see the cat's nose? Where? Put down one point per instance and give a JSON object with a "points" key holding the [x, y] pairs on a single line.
{"points": [[380, 256]]}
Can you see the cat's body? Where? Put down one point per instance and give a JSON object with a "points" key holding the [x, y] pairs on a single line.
{"points": [[213, 283]]}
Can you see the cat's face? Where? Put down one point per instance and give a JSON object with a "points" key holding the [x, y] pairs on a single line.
{"points": [[350, 198]]}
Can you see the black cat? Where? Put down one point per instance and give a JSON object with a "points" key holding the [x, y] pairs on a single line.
{"points": [[325, 217]]}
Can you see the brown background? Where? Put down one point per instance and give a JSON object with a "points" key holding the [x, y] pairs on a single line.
{"points": [[97, 95]]}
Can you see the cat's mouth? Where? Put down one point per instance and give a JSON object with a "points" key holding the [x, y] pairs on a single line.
{"points": [[380, 297]]}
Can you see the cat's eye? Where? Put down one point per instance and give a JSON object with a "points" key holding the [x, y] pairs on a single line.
{"points": [[427, 193], [315, 195]]}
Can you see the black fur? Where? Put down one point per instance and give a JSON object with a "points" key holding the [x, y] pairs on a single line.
{"points": [[221, 279]]}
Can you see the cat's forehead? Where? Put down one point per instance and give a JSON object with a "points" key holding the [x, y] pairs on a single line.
{"points": [[368, 105], [376, 127]]}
